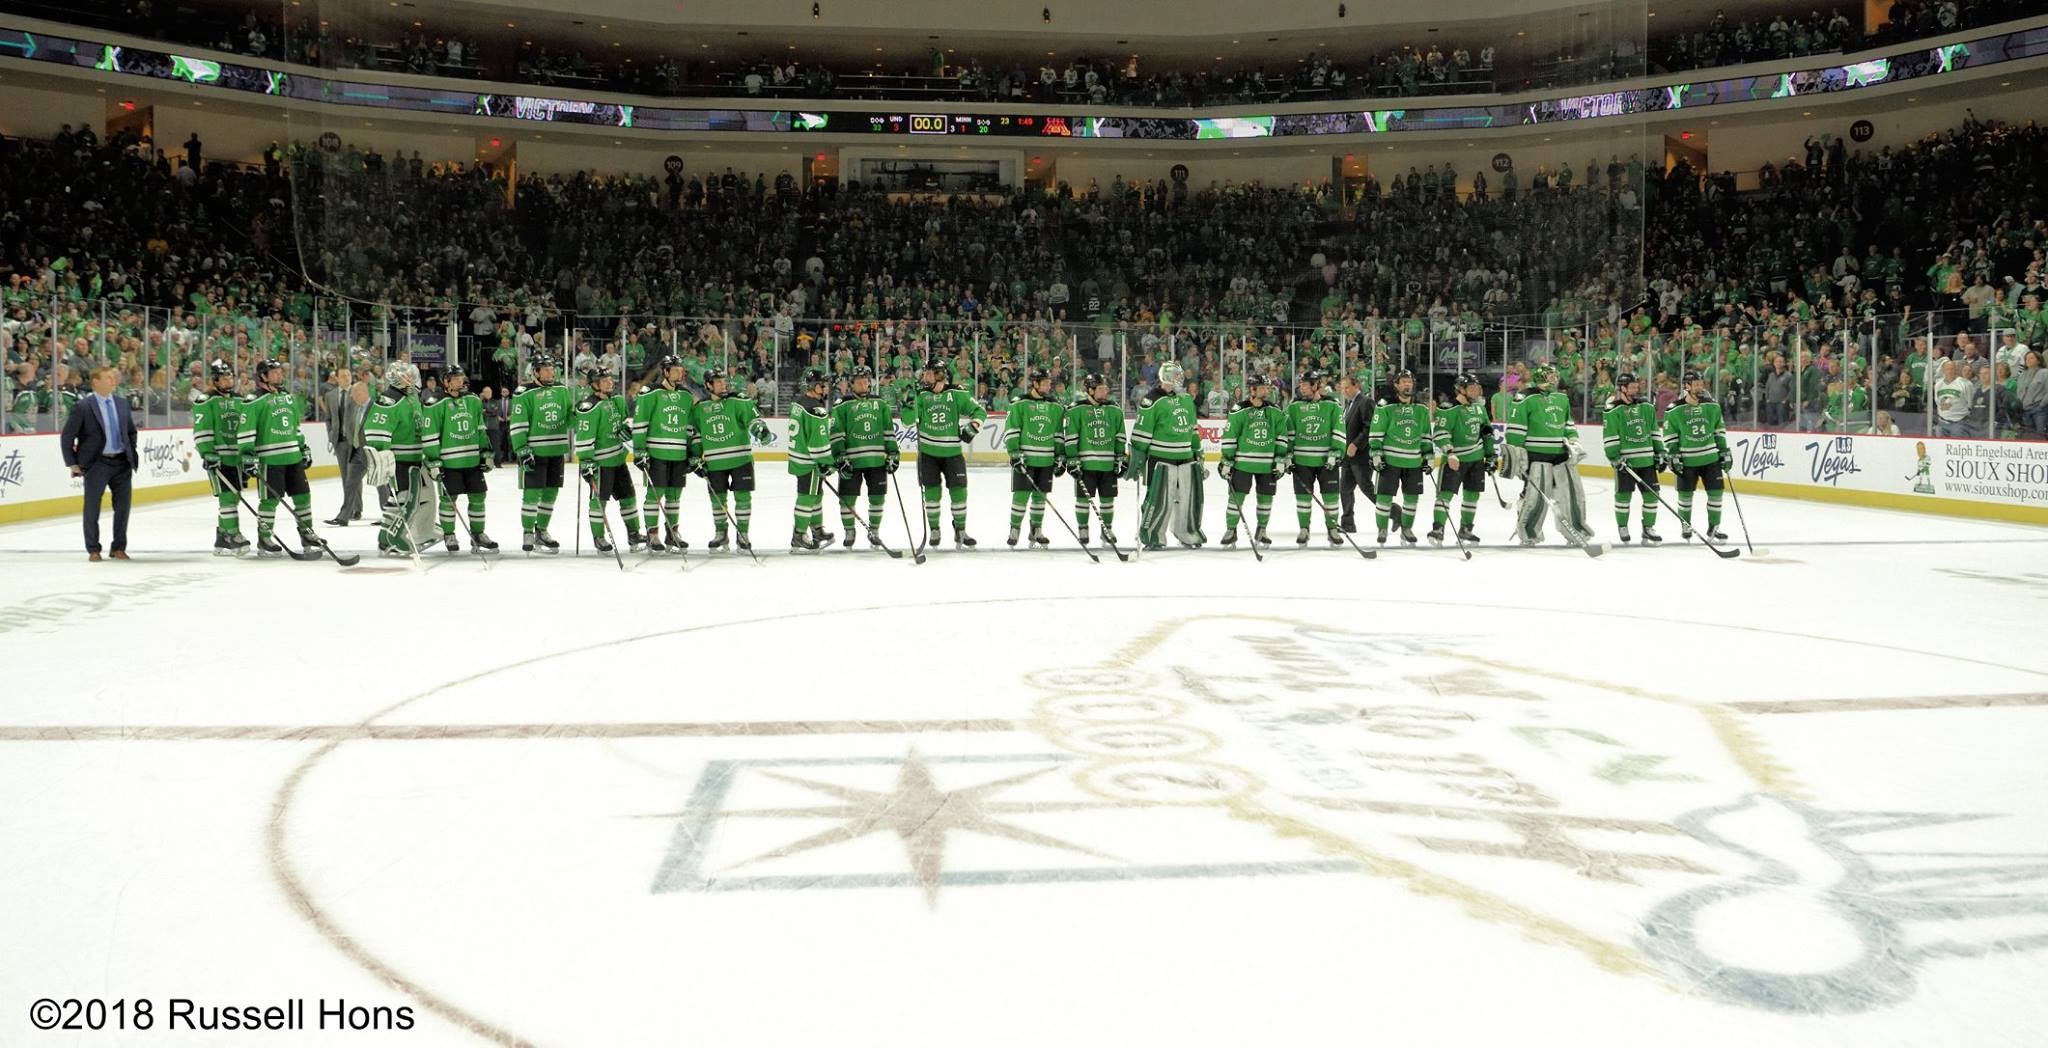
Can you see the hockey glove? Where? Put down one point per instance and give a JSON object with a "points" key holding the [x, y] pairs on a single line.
{"points": [[484, 463], [525, 458], [697, 466], [840, 466], [1378, 461], [895, 460], [1223, 469], [1201, 471], [589, 472], [759, 431], [1281, 467], [1123, 466], [1017, 463], [1727, 461], [969, 429]]}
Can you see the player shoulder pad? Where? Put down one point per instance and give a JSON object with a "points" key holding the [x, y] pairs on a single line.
{"points": [[388, 398], [1386, 402], [1242, 404], [431, 398], [198, 397], [589, 403], [644, 391], [516, 390]]}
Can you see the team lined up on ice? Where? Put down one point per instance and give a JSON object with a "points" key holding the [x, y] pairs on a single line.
{"points": [[430, 444]]}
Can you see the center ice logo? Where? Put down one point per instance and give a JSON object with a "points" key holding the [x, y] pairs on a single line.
{"points": [[1641, 841]]}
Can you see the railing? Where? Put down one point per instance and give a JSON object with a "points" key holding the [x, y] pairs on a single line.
{"points": [[1947, 375]]}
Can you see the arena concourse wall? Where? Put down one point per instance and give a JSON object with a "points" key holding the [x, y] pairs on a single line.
{"points": [[1984, 479]]}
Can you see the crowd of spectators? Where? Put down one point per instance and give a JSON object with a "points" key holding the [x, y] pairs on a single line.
{"points": [[1867, 277], [1413, 69]]}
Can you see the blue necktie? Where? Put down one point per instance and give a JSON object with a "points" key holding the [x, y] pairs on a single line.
{"points": [[113, 431]]}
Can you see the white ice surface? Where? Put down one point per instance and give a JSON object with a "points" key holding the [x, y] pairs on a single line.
{"points": [[1018, 798]]}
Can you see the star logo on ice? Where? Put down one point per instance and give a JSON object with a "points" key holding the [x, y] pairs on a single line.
{"points": [[921, 815], [952, 827]]}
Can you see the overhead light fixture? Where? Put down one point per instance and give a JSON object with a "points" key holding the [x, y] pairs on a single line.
{"points": [[815, 14]]}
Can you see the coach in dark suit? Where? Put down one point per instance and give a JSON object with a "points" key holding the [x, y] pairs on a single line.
{"points": [[99, 445], [1355, 472]]}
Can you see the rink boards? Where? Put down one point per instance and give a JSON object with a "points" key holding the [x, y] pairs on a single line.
{"points": [[1985, 479]]}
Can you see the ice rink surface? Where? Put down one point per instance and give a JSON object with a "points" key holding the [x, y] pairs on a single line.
{"points": [[1018, 798]]}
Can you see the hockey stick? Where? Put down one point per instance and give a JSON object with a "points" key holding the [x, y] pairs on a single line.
{"points": [[1096, 508], [1054, 507], [1362, 551], [603, 518], [1724, 554], [738, 539], [346, 560], [917, 552], [1257, 554], [1729, 483], [865, 526], [1437, 493]]}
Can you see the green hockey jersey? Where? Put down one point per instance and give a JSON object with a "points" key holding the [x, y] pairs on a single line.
{"points": [[603, 430], [269, 431], [454, 428], [1093, 436], [393, 422], [662, 424], [726, 427], [1315, 431], [1694, 434], [1628, 432], [810, 437], [1463, 430], [863, 432], [1401, 433], [939, 416], [1167, 429], [1254, 437], [1032, 429], [1541, 423], [217, 427], [540, 420]]}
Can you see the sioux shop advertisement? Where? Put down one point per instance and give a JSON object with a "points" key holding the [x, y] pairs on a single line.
{"points": [[2008, 473], [32, 464]]}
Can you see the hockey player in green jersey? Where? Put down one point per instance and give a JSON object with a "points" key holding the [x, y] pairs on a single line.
{"points": [[270, 440], [727, 427], [1255, 453], [1540, 429], [664, 440], [1696, 445], [1031, 436], [603, 432], [810, 455], [1629, 435], [864, 452], [1166, 452], [539, 424], [947, 420], [1092, 447], [1399, 444], [216, 435], [396, 425], [454, 420], [1465, 438], [1315, 434]]}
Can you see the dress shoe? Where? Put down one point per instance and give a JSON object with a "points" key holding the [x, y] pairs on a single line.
{"points": [[119, 554], [94, 557], [337, 522]]}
